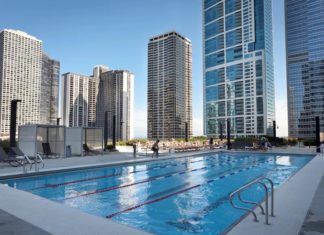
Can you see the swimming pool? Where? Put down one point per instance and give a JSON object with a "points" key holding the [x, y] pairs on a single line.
{"points": [[180, 196]]}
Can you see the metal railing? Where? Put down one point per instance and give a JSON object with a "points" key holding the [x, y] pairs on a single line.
{"points": [[38, 159], [264, 211]]}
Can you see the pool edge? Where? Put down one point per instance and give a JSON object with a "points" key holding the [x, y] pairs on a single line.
{"points": [[290, 211]]}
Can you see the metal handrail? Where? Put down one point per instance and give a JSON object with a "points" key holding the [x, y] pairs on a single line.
{"points": [[265, 187]]}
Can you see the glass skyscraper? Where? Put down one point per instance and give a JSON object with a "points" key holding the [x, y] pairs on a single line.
{"points": [[238, 67], [305, 66]]}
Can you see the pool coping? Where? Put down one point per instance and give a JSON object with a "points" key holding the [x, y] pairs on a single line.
{"points": [[30, 208], [291, 204]]}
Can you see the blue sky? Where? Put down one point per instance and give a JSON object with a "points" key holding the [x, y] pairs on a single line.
{"points": [[115, 33]]}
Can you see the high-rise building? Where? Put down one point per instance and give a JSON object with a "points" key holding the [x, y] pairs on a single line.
{"points": [[169, 86], [305, 66], [116, 97], [87, 99], [49, 90], [79, 100], [20, 78], [238, 67]]}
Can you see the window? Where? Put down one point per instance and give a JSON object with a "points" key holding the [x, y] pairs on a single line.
{"points": [[232, 5], [214, 13], [233, 38], [234, 72], [215, 77], [234, 54], [215, 59], [214, 28], [214, 44], [233, 21]]}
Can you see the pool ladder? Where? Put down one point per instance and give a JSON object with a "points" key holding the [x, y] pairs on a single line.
{"points": [[260, 181]]}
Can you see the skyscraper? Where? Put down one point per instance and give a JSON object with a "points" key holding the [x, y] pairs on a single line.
{"points": [[305, 66], [116, 97], [238, 67], [49, 90], [169, 86], [86, 99], [20, 77], [79, 100]]}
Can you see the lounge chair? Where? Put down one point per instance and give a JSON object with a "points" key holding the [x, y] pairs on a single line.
{"points": [[87, 150], [47, 152], [12, 159], [31, 159]]}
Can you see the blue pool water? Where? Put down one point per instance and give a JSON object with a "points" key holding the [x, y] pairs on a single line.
{"points": [[182, 196]]}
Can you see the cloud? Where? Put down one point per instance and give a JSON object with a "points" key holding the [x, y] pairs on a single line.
{"points": [[282, 117]]}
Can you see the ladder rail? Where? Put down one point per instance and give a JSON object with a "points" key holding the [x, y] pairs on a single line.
{"points": [[260, 181]]}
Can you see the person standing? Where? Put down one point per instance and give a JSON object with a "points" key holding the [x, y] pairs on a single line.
{"points": [[155, 149]]}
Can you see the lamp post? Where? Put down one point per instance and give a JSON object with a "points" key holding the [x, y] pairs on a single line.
{"points": [[121, 131], [274, 126], [221, 131], [13, 122], [228, 134], [317, 133], [186, 132], [58, 121], [113, 129]]}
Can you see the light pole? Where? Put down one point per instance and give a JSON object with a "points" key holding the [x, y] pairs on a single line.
{"points": [[13, 122], [121, 131]]}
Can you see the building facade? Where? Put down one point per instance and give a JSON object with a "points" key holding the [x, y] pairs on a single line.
{"points": [[87, 99], [116, 97], [169, 94], [20, 78], [79, 94], [49, 90], [305, 66], [238, 67]]}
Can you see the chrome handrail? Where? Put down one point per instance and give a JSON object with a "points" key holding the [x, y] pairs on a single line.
{"points": [[265, 187]]}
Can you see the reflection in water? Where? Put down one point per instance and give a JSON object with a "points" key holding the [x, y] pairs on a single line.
{"points": [[283, 160]]}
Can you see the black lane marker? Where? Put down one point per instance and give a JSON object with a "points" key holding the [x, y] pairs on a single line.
{"points": [[182, 191], [103, 190], [116, 174]]}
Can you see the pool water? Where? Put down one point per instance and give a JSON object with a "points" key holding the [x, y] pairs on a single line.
{"points": [[180, 196]]}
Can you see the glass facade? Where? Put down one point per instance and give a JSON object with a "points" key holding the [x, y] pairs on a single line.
{"points": [[238, 67], [305, 66]]}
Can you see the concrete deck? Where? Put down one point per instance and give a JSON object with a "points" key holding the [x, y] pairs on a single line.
{"points": [[314, 222]]}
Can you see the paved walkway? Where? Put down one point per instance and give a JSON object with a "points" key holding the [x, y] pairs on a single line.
{"points": [[314, 222], [12, 225]]}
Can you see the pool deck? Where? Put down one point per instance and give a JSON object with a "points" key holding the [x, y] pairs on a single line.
{"points": [[23, 213]]}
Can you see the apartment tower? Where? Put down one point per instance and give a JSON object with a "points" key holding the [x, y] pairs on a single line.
{"points": [[169, 94], [49, 90], [238, 67], [79, 97], [20, 78], [116, 97], [305, 66]]}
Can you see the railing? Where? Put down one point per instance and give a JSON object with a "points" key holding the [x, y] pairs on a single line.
{"points": [[38, 159], [265, 211]]}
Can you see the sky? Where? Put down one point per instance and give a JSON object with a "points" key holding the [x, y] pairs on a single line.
{"points": [[82, 34]]}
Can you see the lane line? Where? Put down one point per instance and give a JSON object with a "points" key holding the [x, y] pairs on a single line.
{"points": [[153, 178], [181, 191], [116, 174]]}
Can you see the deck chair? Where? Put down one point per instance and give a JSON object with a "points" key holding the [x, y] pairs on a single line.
{"points": [[47, 150], [13, 160], [87, 150], [31, 159]]}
